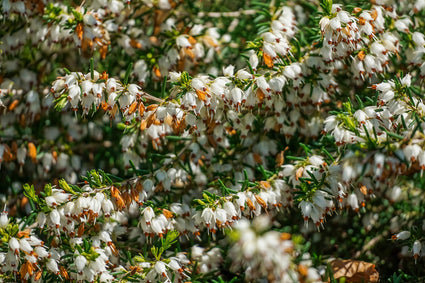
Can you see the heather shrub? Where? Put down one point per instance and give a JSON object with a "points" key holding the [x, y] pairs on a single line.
{"points": [[222, 141]]}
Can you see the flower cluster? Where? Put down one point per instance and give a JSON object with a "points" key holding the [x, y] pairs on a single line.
{"points": [[206, 126], [268, 254]]}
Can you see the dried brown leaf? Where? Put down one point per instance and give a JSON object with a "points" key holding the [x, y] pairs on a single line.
{"points": [[354, 271]]}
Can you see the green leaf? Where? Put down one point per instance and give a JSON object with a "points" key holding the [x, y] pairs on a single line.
{"points": [[326, 6], [306, 148], [348, 107], [92, 68], [393, 135], [154, 251], [61, 102], [178, 138], [30, 220], [121, 126], [139, 258], [170, 239], [78, 247], [86, 246], [48, 189], [29, 192], [127, 73], [164, 86], [66, 187]]}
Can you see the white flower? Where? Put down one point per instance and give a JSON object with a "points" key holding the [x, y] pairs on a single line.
{"points": [[416, 249], [107, 207], [41, 219], [316, 160], [111, 85], [384, 87], [86, 87], [4, 220], [25, 246], [229, 71], [105, 237], [55, 218], [403, 235], [174, 76], [52, 266], [80, 262], [220, 215], [412, 151], [208, 216], [236, 95], [395, 193], [160, 268], [175, 265], [41, 252], [230, 209], [406, 80], [353, 201], [134, 89], [306, 209], [418, 38], [148, 214], [106, 276], [253, 61], [335, 24], [14, 245], [182, 41], [402, 25]]}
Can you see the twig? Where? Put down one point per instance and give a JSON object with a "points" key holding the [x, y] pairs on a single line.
{"points": [[151, 97], [370, 244], [226, 14]]}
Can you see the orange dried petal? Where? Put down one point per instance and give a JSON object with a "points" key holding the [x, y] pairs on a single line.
{"points": [[260, 95], [150, 120], [141, 109], [280, 158], [299, 173], [152, 107], [363, 189], [32, 152], [361, 55], [189, 53], [257, 158], [265, 184], [285, 236], [202, 95], [261, 202], [210, 42], [63, 272], [268, 60], [143, 125], [80, 230], [135, 44], [103, 50], [79, 30], [374, 14], [167, 213], [156, 71], [13, 105], [104, 76], [250, 204], [132, 108], [192, 40]]}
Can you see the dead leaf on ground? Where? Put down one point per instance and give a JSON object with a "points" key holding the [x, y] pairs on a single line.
{"points": [[354, 271]]}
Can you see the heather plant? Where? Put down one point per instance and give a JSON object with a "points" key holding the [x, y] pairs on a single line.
{"points": [[223, 141]]}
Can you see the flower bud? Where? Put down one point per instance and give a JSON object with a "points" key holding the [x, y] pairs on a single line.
{"points": [[403, 235]]}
